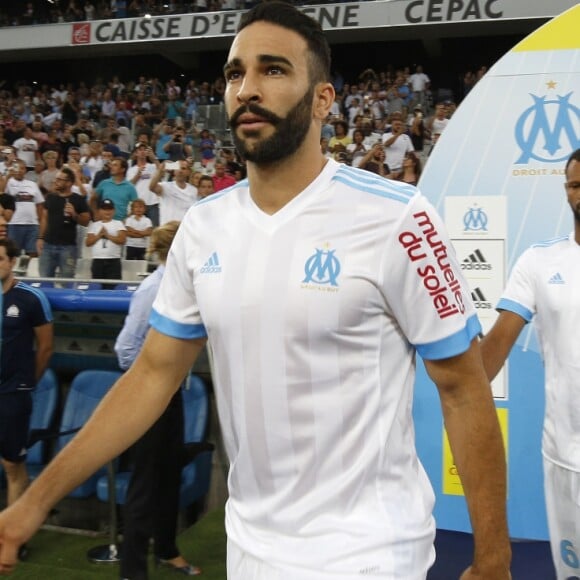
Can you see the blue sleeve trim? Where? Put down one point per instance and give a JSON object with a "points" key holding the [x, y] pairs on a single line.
{"points": [[516, 308], [176, 329], [44, 303], [451, 345]]}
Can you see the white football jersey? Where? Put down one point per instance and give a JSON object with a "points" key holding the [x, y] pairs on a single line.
{"points": [[545, 285], [314, 315]]}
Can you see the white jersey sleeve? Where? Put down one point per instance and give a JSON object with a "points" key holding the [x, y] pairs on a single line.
{"points": [[175, 310], [519, 295], [424, 287]]}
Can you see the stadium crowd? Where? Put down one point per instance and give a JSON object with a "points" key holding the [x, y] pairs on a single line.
{"points": [[139, 153], [59, 11]]}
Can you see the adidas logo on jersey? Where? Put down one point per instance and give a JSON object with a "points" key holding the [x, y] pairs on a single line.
{"points": [[475, 261], [556, 279], [212, 266], [479, 299]]}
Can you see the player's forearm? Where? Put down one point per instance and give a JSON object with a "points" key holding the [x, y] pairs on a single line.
{"points": [[128, 410], [475, 438], [494, 353], [496, 345]]}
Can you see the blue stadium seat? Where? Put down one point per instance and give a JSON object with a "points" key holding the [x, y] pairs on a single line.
{"points": [[44, 404], [86, 391]]}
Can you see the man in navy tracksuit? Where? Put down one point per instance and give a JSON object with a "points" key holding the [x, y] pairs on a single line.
{"points": [[26, 347]]}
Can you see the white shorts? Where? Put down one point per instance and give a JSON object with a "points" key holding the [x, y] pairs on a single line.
{"points": [[562, 491], [243, 566]]}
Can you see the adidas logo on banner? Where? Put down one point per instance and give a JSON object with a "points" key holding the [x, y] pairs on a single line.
{"points": [[556, 279], [479, 299], [475, 261], [212, 266]]}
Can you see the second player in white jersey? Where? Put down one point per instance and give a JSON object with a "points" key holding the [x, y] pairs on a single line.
{"points": [[543, 285]]}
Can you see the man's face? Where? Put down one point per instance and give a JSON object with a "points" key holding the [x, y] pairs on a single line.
{"points": [[268, 95], [183, 172], [219, 169], [19, 170], [107, 158], [116, 167], [573, 188], [62, 183], [205, 188], [6, 264], [397, 126]]}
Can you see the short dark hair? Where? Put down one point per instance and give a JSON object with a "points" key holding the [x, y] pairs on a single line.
{"points": [[124, 163], [574, 157], [287, 16], [343, 124], [206, 178], [70, 174], [12, 250]]}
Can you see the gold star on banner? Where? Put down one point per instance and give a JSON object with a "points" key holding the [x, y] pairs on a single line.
{"points": [[551, 84]]}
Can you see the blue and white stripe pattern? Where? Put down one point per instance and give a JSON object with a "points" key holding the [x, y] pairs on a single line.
{"points": [[374, 184]]}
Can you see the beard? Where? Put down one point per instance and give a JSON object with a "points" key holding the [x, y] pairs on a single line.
{"points": [[289, 131], [576, 212]]}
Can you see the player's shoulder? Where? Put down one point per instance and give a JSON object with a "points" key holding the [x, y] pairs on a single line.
{"points": [[373, 187], [221, 198], [550, 245], [29, 293], [542, 254], [546, 250]]}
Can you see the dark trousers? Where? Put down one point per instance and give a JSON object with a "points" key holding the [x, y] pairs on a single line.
{"points": [[152, 504], [106, 268], [132, 253]]}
